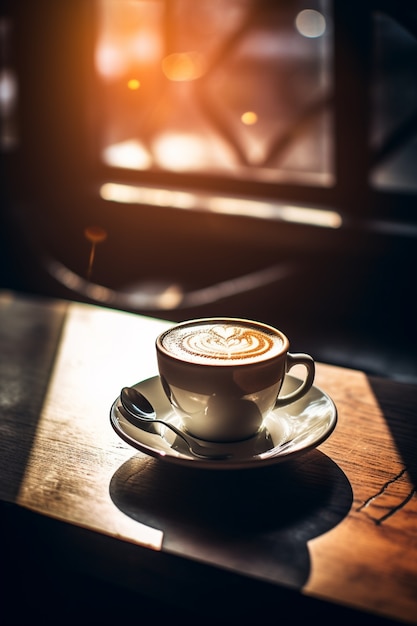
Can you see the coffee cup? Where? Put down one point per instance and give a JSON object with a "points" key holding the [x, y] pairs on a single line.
{"points": [[223, 375]]}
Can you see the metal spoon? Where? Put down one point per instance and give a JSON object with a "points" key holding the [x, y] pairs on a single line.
{"points": [[142, 413]]}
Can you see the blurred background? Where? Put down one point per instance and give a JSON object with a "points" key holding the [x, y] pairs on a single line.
{"points": [[222, 157]]}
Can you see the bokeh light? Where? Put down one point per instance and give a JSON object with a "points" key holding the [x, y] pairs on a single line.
{"points": [[183, 66], [310, 23], [249, 118], [133, 84]]}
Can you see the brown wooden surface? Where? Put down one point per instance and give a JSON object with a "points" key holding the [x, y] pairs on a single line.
{"points": [[337, 524]]}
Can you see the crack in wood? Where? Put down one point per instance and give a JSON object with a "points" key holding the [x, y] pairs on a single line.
{"points": [[393, 509]]}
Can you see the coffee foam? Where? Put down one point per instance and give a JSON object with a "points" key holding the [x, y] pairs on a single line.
{"points": [[227, 343]]}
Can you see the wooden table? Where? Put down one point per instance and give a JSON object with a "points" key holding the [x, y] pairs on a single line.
{"points": [[333, 532]]}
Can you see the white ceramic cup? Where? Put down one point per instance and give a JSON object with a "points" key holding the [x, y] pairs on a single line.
{"points": [[223, 375]]}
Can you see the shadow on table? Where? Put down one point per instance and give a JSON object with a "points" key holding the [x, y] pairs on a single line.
{"points": [[256, 522], [401, 421], [30, 331]]}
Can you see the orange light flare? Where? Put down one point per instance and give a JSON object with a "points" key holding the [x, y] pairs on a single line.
{"points": [[249, 118], [95, 235], [183, 66], [133, 84]]}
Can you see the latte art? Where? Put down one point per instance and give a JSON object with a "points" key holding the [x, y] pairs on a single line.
{"points": [[225, 342], [222, 343]]}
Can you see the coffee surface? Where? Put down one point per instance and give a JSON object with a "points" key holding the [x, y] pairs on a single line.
{"points": [[227, 343]]}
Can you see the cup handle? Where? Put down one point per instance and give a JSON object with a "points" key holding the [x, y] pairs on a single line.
{"points": [[308, 362]]}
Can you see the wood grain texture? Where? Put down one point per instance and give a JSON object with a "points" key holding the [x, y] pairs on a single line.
{"points": [[339, 523], [370, 558]]}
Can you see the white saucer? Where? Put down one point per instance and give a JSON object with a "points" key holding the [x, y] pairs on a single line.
{"points": [[287, 431]]}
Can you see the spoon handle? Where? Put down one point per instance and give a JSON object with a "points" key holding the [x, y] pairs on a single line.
{"points": [[145, 423]]}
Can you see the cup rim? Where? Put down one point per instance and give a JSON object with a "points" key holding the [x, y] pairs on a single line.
{"points": [[219, 319]]}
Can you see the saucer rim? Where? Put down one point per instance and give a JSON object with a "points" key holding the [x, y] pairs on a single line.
{"points": [[188, 460]]}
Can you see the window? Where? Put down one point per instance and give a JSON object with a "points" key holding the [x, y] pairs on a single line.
{"points": [[312, 103], [393, 131], [229, 88], [286, 128]]}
